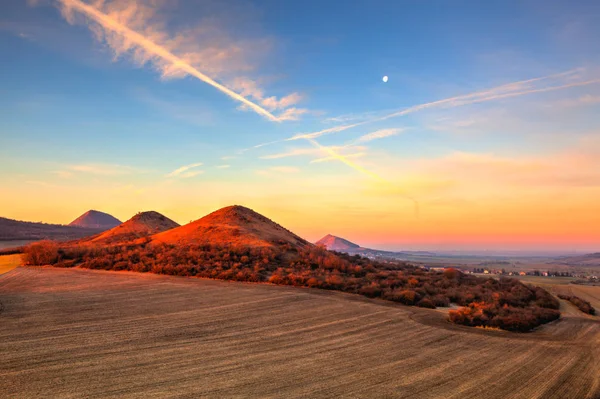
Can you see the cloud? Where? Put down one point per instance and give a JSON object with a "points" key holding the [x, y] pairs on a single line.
{"points": [[223, 166], [319, 133], [291, 153], [378, 134], [584, 100], [310, 151], [284, 104], [273, 103], [292, 114], [39, 183], [559, 81], [97, 169], [277, 170], [185, 168], [135, 29], [187, 175], [330, 158], [285, 169], [64, 174]]}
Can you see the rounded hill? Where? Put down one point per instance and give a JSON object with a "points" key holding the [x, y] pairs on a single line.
{"points": [[143, 224], [233, 225]]}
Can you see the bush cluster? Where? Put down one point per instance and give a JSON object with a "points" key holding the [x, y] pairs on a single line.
{"points": [[582, 304], [504, 303]]}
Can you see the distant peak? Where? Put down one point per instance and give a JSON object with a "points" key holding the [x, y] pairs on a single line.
{"points": [[336, 243], [96, 219]]}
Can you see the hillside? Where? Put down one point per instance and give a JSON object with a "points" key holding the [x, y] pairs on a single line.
{"points": [[581, 260], [19, 230], [234, 225], [334, 243], [96, 220], [143, 224]]}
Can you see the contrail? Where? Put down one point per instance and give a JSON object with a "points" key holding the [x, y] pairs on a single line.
{"points": [[345, 160], [504, 91], [361, 169], [110, 24]]}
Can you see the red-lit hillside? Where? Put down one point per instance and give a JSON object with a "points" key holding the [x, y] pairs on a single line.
{"points": [[234, 225]]}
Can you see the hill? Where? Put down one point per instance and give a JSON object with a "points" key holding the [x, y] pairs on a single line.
{"points": [[96, 220], [143, 224], [581, 260], [234, 225], [339, 244], [11, 229]]}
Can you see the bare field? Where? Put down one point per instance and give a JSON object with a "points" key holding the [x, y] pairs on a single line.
{"points": [[82, 333]]}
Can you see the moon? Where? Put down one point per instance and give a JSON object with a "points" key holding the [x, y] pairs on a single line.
{"points": [[385, 79]]}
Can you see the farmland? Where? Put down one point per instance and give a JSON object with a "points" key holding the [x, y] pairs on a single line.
{"points": [[66, 332]]}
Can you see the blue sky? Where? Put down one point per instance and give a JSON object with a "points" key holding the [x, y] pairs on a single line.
{"points": [[86, 110]]}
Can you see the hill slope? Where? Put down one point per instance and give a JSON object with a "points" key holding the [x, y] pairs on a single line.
{"points": [[334, 243], [96, 220], [18, 230], [581, 260], [234, 225], [143, 224]]}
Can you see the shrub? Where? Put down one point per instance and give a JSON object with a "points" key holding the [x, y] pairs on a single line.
{"points": [[426, 303], [41, 253], [504, 303], [582, 304]]}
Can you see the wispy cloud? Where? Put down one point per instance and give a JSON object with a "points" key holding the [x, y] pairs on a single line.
{"points": [[285, 169], [311, 151], [559, 81], [39, 183], [378, 134], [584, 100], [330, 158], [185, 168], [277, 170], [291, 153], [319, 133], [292, 114], [134, 28], [97, 169], [282, 103], [192, 173], [63, 174], [223, 166]]}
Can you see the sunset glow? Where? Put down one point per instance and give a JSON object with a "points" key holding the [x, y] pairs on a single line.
{"points": [[480, 139]]}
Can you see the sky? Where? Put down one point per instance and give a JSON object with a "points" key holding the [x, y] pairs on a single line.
{"points": [[486, 135]]}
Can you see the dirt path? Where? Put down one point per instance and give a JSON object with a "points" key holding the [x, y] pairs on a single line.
{"points": [[74, 333]]}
